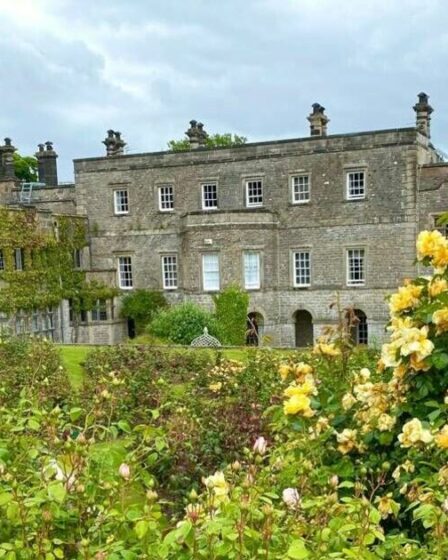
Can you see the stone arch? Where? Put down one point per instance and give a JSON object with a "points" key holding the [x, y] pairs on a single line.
{"points": [[360, 328], [255, 328], [304, 332]]}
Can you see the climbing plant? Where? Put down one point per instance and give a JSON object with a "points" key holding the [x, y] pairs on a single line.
{"points": [[37, 263]]}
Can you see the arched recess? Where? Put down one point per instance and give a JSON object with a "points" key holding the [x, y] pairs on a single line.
{"points": [[255, 326], [303, 321], [360, 328]]}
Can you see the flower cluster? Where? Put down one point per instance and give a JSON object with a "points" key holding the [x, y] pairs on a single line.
{"points": [[218, 488], [298, 393]]}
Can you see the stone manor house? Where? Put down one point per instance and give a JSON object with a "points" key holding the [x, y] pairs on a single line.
{"points": [[297, 223]]}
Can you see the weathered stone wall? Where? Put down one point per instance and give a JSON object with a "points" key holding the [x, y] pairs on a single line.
{"points": [[385, 223]]}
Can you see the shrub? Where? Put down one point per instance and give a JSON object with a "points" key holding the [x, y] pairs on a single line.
{"points": [[231, 313], [142, 306], [182, 323]]}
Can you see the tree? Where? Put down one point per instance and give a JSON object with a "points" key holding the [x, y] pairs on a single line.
{"points": [[25, 168], [231, 314], [142, 306], [226, 140]]}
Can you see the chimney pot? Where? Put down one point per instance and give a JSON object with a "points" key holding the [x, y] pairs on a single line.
{"points": [[318, 120]]}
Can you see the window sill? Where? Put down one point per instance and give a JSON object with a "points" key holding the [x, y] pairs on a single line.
{"points": [[356, 199], [304, 203], [356, 285], [170, 211], [304, 287], [118, 214], [126, 288], [170, 289]]}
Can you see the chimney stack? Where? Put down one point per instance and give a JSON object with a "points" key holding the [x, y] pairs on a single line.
{"points": [[423, 112], [7, 172], [47, 165], [318, 120], [197, 135], [114, 143]]}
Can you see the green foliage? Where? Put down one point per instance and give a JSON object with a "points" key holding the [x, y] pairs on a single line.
{"points": [[231, 314], [182, 323], [142, 306], [48, 275], [25, 168], [227, 140]]}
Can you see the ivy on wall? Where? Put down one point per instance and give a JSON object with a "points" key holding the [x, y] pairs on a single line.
{"points": [[48, 274]]}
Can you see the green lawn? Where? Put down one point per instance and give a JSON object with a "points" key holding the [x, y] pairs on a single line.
{"points": [[72, 358]]}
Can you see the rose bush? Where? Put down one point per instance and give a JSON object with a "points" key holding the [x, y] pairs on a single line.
{"points": [[332, 453]]}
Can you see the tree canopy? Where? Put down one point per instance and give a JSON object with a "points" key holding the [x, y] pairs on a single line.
{"points": [[226, 140], [25, 168]]}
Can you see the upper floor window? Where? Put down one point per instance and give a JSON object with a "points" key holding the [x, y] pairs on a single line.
{"points": [[356, 185], [99, 311], [19, 259], [254, 193], [121, 201], [302, 269], [251, 270], [300, 189], [169, 272], [209, 196], [356, 275], [77, 258], [210, 272], [2, 260], [125, 273], [166, 198]]}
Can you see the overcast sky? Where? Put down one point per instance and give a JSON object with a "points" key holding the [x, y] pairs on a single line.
{"points": [[71, 69]]}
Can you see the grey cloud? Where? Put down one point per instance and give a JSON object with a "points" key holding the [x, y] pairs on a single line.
{"points": [[146, 67]]}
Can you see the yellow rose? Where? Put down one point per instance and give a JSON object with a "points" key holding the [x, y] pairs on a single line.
{"points": [[348, 400], [413, 434], [386, 422], [440, 259], [297, 403], [347, 440], [302, 369], [328, 350], [428, 242], [284, 370], [442, 438], [437, 286], [407, 297], [440, 319]]}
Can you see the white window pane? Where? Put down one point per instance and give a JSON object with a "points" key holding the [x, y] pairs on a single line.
{"points": [[209, 196], [125, 272], [302, 268], [169, 271], [210, 270], [300, 188], [254, 193], [251, 270], [355, 185], [355, 267], [166, 198], [121, 201]]}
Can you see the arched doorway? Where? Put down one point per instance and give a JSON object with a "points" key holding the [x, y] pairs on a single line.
{"points": [[360, 329], [304, 328], [254, 333]]}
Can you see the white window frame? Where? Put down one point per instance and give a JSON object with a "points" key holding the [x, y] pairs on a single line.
{"points": [[256, 204], [204, 186], [170, 273], [348, 178], [99, 311], [125, 276], [304, 271], [295, 182], [166, 196], [248, 284], [362, 254], [206, 284], [121, 202], [19, 259]]}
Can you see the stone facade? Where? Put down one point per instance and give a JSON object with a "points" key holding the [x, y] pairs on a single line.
{"points": [[404, 186]]}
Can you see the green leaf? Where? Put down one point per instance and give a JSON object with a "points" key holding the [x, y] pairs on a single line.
{"points": [[5, 498], [297, 551], [141, 528], [75, 413], [57, 492]]}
